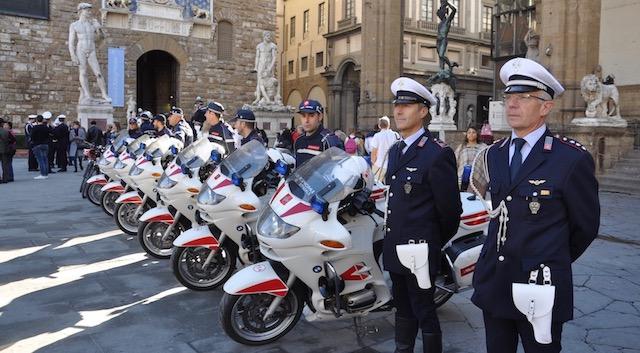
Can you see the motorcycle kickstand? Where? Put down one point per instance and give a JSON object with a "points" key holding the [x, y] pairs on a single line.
{"points": [[171, 226], [452, 291], [213, 253], [362, 329], [277, 300], [139, 208]]}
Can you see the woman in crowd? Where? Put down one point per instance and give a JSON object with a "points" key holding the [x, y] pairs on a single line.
{"points": [[466, 152], [77, 140]]}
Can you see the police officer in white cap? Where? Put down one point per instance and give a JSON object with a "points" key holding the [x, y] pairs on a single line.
{"points": [[423, 207], [33, 163], [60, 139], [546, 192]]}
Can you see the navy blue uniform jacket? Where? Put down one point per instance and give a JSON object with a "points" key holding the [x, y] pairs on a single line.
{"points": [[431, 210], [562, 177]]}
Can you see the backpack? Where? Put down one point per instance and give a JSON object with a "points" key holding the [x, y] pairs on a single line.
{"points": [[351, 147]]}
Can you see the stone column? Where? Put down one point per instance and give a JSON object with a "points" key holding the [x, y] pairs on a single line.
{"points": [[382, 30], [569, 47]]}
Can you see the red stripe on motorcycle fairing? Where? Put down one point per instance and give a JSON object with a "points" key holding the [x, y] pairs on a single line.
{"points": [[350, 273], [277, 191], [177, 171], [133, 199], [99, 182], [299, 208], [474, 215], [225, 182], [165, 218], [274, 286], [207, 241]]}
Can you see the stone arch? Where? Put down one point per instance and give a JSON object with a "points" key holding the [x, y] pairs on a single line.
{"points": [[345, 95], [294, 98], [317, 93], [156, 42]]}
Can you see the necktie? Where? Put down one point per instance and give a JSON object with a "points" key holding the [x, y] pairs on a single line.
{"points": [[516, 160]]}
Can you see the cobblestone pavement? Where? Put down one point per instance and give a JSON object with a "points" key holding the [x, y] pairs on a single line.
{"points": [[71, 282]]}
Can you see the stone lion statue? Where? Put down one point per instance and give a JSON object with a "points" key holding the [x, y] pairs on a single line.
{"points": [[597, 95]]}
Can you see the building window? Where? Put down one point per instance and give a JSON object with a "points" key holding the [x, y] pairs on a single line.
{"points": [[487, 16], [304, 63], [266, 125], [349, 9], [32, 9], [225, 40], [456, 19], [305, 22], [292, 27], [290, 67], [426, 10], [320, 59], [485, 61], [405, 50], [320, 16]]}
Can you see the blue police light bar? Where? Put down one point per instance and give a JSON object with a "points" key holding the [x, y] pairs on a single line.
{"points": [[148, 157], [173, 149], [236, 180], [184, 169], [143, 146], [281, 167], [216, 157], [319, 205]]}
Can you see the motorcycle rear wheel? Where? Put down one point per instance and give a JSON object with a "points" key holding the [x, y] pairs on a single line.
{"points": [[241, 317], [186, 264]]}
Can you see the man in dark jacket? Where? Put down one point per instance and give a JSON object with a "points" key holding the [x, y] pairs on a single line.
{"points": [[94, 135], [60, 135], [40, 138], [424, 207], [4, 152]]}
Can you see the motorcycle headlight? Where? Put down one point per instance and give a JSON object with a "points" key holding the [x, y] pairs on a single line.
{"points": [[135, 171], [165, 182], [209, 197], [119, 165], [270, 225]]}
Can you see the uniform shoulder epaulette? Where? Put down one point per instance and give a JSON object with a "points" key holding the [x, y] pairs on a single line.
{"points": [[440, 143], [571, 142]]}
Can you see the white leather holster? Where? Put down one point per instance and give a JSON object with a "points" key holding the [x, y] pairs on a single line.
{"points": [[535, 301], [415, 257]]}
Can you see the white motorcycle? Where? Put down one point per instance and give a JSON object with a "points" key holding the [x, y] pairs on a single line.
{"points": [[205, 256], [105, 164], [177, 189], [124, 213], [322, 236], [144, 174]]}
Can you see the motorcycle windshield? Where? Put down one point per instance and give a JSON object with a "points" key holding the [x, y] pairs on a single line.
{"points": [[246, 162], [134, 147], [119, 141], [329, 175], [160, 146], [195, 155]]}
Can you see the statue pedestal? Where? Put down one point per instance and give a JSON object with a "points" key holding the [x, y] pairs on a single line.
{"points": [[101, 113], [608, 122], [497, 117], [443, 112], [272, 119]]}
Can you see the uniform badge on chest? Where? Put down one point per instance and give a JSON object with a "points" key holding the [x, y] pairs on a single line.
{"points": [[534, 206], [407, 188]]}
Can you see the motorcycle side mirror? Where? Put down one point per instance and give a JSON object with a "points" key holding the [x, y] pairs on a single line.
{"points": [[185, 170], [321, 206], [148, 157], [143, 146], [215, 157], [282, 168], [237, 181], [112, 149], [173, 149]]}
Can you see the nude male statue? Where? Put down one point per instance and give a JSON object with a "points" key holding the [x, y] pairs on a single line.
{"points": [[85, 30], [266, 53]]}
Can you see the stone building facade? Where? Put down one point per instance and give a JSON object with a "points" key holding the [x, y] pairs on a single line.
{"points": [[370, 43], [167, 61]]}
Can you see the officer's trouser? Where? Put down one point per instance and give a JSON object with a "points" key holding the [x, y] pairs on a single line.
{"points": [[61, 155], [502, 336], [33, 163], [414, 302], [51, 155]]}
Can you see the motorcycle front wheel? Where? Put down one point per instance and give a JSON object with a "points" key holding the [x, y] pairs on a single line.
{"points": [[125, 218], [188, 266], [150, 238], [242, 316], [94, 193], [108, 202]]}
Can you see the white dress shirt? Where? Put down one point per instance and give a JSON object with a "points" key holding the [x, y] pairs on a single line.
{"points": [[530, 140], [411, 139]]}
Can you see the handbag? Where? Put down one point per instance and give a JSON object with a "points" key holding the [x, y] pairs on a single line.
{"points": [[535, 301], [415, 257]]}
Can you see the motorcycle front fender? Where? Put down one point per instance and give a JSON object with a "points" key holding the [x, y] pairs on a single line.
{"points": [[113, 186], [157, 214], [256, 279], [130, 197], [99, 179], [197, 237]]}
